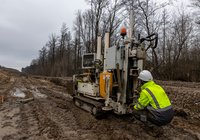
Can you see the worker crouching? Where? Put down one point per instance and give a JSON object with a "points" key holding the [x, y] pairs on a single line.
{"points": [[153, 103]]}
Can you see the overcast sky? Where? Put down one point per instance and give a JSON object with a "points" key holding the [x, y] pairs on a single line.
{"points": [[25, 26]]}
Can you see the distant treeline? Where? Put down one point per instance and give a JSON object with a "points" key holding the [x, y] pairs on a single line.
{"points": [[176, 57]]}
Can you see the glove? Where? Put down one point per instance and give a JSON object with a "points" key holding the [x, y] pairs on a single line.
{"points": [[131, 108], [131, 105], [136, 92]]}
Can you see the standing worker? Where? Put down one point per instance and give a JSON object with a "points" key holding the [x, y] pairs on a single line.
{"points": [[153, 103]]}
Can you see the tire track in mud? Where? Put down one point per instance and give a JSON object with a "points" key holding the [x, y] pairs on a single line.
{"points": [[111, 128], [33, 119], [60, 109], [47, 127], [80, 121], [37, 120], [82, 125], [10, 111], [54, 110], [28, 124], [89, 127], [54, 116]]}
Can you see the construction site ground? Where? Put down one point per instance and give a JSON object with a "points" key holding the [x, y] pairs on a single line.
{"points": [[41, 108]]}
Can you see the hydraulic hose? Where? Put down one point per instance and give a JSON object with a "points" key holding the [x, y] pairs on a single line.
{"points": [[148, 38]]}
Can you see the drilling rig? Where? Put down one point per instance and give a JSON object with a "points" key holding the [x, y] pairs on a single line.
{"points": [[110, 80]]}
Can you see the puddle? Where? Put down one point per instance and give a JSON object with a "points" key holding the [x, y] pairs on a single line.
{"points": [[19, 93]]}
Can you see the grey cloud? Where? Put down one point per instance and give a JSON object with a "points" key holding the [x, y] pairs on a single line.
{"points": [[25, 26]]}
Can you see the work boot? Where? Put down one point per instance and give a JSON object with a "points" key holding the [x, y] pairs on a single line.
{"points": [[143, 118], [130, 118], [153, 129]]}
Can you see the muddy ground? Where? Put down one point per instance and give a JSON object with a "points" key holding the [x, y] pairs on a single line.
{"points": [[36, 108]]}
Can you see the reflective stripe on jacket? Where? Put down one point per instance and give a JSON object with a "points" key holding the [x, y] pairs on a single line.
{"points": [[152, 95]]}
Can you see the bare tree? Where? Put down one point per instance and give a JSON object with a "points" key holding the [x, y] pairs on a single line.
{"points": [[78, 40], [150, 19], [52, 44], [111, 19], [97, 8], [196, 3], [62, 41], [177, 56], [196, 13], [177, 41], [43, 60]]}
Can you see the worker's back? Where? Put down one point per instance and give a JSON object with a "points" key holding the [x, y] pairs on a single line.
{"points": [[158, 99]]}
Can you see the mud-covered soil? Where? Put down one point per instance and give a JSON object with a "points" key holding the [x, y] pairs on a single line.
{"points": [[47, 112]]}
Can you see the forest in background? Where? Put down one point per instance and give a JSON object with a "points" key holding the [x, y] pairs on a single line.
{"points": [[176, 57]]}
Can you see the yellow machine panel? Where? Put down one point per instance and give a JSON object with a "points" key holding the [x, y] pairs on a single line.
{"points": [[103, 76]]}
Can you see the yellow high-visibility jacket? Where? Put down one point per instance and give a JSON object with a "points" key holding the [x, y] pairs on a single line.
{"points": [[152, 95]]}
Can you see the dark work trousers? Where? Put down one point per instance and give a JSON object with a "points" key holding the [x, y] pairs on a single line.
{"points": [[158, 118]]}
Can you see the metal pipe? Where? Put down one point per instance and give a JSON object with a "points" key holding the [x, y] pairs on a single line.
{"points": [[131, 32], [99, 48], [107, 44]]}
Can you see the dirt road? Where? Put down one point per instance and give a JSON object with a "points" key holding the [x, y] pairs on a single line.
{"points": [[36, 109]]}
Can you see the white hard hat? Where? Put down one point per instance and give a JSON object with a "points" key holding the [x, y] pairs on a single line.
{"points": [[145, 75]]}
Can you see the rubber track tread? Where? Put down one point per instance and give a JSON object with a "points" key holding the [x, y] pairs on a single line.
{"points": [[89, 101]]}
